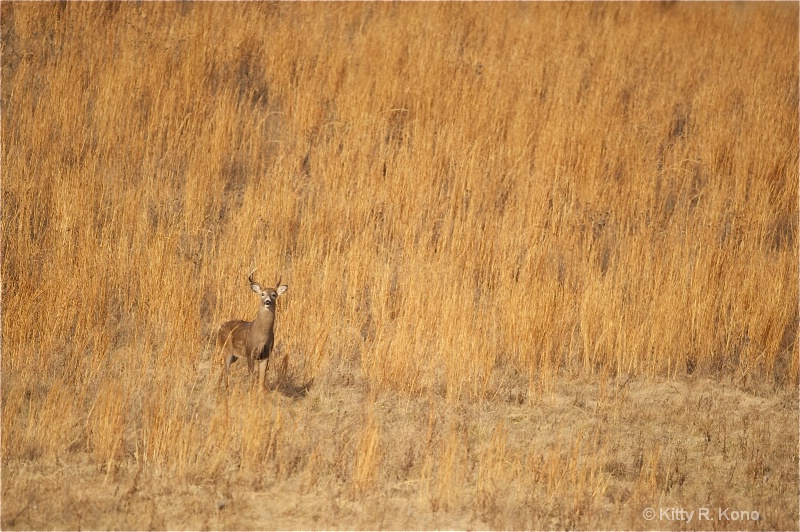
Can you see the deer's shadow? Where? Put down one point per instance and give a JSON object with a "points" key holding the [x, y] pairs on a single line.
{"points": [[287, 388]]}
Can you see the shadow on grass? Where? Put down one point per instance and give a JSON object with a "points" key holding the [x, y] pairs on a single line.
{"points": [[289, 389]]}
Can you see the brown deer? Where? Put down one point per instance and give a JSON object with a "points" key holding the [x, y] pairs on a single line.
{"points": [[252, 340]]}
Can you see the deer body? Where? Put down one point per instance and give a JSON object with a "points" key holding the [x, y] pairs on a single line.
{"points": [[252, 340]]}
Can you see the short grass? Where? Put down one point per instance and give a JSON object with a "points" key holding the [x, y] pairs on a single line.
{"points": [[542, 263]]}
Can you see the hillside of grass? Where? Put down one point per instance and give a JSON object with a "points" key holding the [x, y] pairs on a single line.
{"points": [[540, 256]]}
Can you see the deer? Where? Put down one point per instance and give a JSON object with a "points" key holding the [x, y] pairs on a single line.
{"points": [[252, 340]]}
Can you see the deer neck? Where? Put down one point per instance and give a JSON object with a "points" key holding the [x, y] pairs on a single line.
{"points": [[265, 319]]}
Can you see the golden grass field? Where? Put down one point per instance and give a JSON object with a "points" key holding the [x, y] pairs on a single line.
{"points": [[542, 263]]}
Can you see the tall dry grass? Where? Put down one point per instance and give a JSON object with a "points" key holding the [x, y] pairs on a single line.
{"points": [[453, 193]]}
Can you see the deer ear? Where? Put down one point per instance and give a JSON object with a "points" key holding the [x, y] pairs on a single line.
{"points": [[281, 289], [255, 287]]}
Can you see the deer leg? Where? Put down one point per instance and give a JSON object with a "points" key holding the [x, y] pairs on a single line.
{"points": [[224, 372], [263, 365], [228, 361], [226, 375]]}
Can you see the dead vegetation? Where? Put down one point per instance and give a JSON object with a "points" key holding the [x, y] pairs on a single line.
{"points": [[543, 261]]}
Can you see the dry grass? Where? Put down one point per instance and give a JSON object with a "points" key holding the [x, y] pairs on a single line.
{"points": [[542, 264]]}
